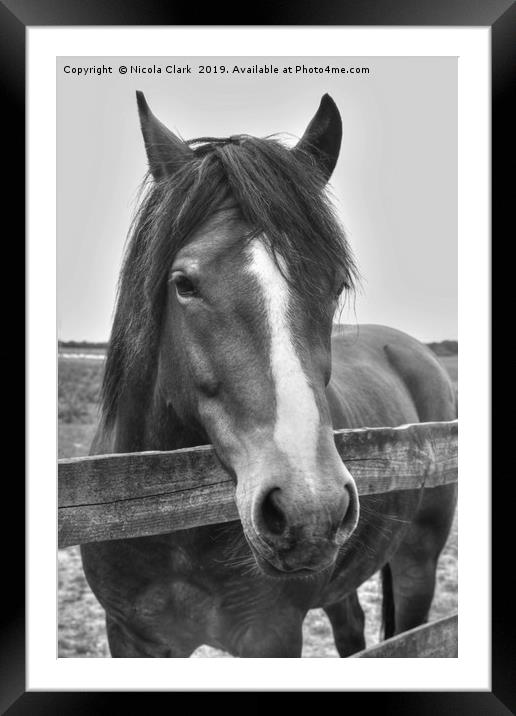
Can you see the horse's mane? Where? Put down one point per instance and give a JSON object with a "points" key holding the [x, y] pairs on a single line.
{"points": [[280, 194]]}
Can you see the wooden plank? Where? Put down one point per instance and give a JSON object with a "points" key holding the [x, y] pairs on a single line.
{"points": [[435, 640], [137, 494]]}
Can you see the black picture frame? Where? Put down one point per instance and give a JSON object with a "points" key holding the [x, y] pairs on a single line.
{"points": [[15, 17]]}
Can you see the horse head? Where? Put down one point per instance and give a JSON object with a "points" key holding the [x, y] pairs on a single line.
{"points": [[240, 250]]}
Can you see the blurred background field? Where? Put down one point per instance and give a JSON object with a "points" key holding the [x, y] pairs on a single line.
{"points": [[81, 619]]}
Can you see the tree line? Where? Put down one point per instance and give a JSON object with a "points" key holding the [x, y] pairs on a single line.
{"points": [[440, 348]]}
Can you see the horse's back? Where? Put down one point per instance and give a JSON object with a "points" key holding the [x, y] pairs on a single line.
{"points": [[383, 377]]}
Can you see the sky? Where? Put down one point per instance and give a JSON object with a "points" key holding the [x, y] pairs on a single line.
{"points": [[394, 186]]}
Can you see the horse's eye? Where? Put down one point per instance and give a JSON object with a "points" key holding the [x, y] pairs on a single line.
{"points": [[184, 285], [340, 289]]}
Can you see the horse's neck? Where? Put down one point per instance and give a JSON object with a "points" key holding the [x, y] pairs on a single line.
{"points": [[154, 426]]}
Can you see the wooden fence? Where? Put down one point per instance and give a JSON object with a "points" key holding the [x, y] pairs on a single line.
{"points": [[137, 494], [437, 639]]}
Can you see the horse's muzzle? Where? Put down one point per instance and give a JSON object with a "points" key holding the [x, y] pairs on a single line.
{"points": [[296, 533]]}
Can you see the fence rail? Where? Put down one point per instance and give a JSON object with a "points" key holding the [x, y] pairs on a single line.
{"points": [[137, 494], [435, 640]]}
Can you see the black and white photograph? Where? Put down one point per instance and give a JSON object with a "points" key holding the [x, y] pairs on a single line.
{"points": [[253, 243], [257, 322], [252, 252]]}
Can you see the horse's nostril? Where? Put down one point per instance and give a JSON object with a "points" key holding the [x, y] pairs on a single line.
{"points": [[345, 505], [350, 513], [272, 514]]}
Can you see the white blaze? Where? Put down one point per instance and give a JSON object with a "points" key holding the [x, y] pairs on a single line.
{"points": [[297, 416]]}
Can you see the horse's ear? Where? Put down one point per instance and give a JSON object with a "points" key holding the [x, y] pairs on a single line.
{"points": [[323, 136], [166, 153]]}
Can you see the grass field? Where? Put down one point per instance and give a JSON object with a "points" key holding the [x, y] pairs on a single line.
{"points": [[81, 619]]}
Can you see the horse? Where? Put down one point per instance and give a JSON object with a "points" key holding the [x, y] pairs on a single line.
{"points": [[224, 333]]}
